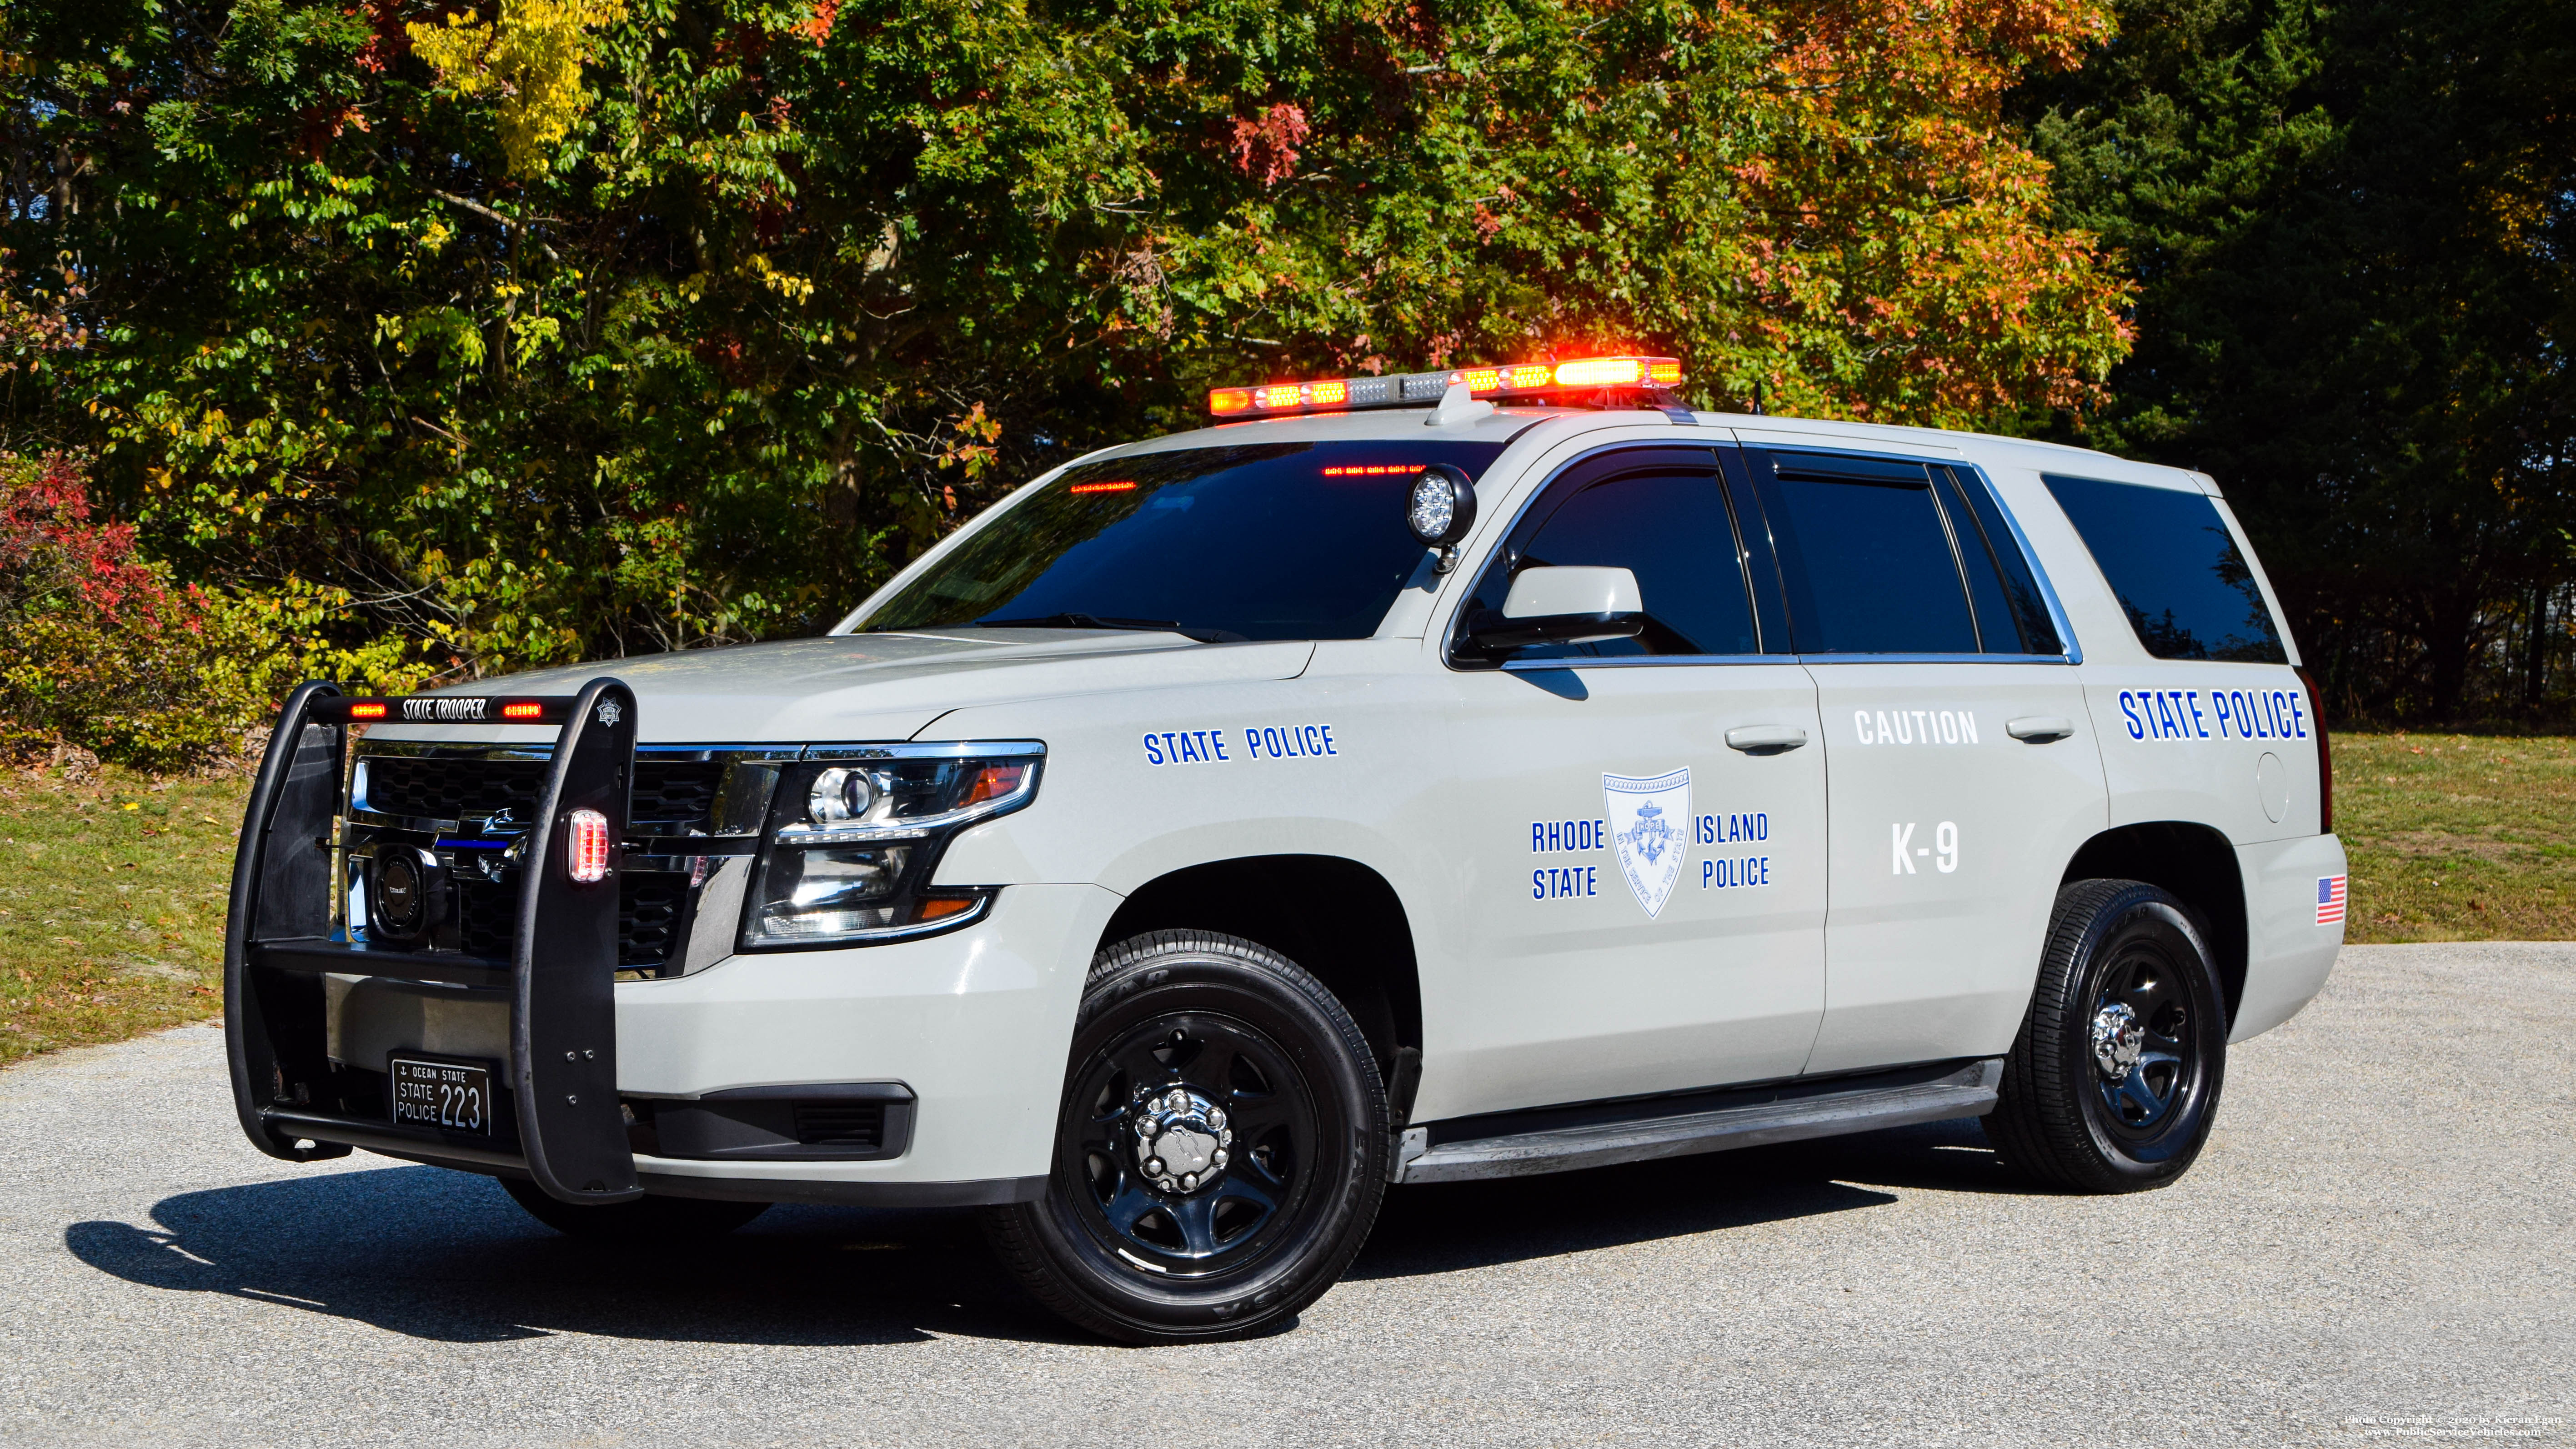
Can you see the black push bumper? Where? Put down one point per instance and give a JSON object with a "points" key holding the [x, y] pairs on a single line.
{"points": [[562, 1125]]}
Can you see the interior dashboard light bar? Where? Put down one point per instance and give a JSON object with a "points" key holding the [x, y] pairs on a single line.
{"points": [[1535, 381]]}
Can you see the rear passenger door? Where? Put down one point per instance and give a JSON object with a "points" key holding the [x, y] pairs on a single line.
{"points": [[1963, 773], [1691, 953]]}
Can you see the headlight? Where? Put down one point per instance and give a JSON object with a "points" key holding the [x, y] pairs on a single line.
{"points": [[853, 841]]}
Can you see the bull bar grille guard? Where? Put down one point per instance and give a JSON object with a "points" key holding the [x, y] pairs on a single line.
{"points": [[558, 979]]}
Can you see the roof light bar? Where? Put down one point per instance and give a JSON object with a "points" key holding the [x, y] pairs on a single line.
{"points": [[1421, 389]]}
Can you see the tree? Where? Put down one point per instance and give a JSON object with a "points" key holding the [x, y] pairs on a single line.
{"points": [[586, 327], [2355, 227]]}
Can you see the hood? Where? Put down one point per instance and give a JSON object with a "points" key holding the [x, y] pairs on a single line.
{"points": [[874, 686]]}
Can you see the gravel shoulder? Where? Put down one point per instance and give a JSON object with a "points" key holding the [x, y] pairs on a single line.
{"points": [[2382, 1230]]}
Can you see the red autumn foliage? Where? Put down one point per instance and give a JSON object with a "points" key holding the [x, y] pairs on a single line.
{"points": [[1266, 147], [52, 550]]}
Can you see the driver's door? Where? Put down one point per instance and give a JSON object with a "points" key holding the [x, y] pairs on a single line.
{"points": [[1644, 904]]}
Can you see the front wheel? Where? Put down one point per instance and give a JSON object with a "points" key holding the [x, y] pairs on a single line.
{"points": [[2113, 1083], [1220, 1149]]}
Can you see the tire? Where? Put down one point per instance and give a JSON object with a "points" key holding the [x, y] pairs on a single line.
{"points": [[1189, 1044], [648, 1219], [2129, 964]]}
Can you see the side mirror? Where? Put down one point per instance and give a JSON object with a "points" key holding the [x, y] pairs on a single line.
{"points": [[1568, 605]]}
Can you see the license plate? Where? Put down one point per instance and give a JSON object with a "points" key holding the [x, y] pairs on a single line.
{"points": [[446, 1095]]}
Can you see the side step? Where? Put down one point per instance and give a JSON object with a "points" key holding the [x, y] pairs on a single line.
{"points": [[1522, 1144]]}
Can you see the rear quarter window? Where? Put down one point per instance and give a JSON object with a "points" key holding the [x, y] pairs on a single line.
{"points": [[2174, 568]]}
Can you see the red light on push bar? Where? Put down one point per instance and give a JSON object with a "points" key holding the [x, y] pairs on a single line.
{"points": [[369, 710], [586, 846], [524, 710], [1123, 485]]}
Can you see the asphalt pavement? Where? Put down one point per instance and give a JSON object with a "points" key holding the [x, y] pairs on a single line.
{"points": [[2379, 1245]]}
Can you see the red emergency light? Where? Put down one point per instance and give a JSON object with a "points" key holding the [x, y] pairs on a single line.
{"points": [[1537, 381]]}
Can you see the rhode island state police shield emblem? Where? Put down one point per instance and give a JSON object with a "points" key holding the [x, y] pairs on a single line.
{"points": [[1649, 821]]}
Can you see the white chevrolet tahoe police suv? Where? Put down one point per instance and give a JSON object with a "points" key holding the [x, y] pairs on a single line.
{"points": [[1408, 779]]}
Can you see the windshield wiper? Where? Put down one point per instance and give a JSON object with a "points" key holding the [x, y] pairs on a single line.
{"points": [[1095, 621]]}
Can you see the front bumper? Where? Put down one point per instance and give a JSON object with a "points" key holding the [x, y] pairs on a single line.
{"points": [[973, 1025]]}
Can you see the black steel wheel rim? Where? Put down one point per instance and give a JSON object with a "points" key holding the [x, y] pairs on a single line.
{"points": [[1232, 1216], [2142, 1045]]}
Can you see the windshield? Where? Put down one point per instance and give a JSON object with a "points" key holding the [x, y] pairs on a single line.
{"points": [[1261, 541]]}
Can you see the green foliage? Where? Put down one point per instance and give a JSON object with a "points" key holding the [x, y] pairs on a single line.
{"points": [[98, 651], [2356, 230], [700, 344]]}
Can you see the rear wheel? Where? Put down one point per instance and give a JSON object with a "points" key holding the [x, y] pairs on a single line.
{"points": [[1220, 1149], [2113, 1083], [650, 1218]]}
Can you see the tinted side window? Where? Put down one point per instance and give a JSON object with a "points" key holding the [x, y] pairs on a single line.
{"points": [[1661, 516], [1865, 555], [2011, 615], [2175, 569]]}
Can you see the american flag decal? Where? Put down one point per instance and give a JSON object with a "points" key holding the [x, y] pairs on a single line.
{"points": [[2330, 890]]}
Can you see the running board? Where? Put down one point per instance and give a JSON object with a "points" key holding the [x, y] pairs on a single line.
{"points": [[1562, 1139]]}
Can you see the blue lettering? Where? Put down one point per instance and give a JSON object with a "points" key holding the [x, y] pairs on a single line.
{"points": [[1252, 741], [1153, 750], [2166, 725], [2299, 716], [1189, 752], [1169, 752], [2220, 705], [1217, 739], [2199, 722], [2129, 707], [1328, 741]]}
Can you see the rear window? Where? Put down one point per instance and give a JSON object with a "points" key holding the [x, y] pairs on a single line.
{"points": [[1865, 555], [2175, 569]]}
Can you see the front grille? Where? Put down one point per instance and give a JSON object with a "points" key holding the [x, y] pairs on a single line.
{"points": [[649, 907], [651, 911], [674, 792], [453, 787], [858, 1125], [671, 796], [486, 914]]}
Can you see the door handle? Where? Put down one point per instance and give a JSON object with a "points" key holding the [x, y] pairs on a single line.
{"points": [[1765, 739], [2039, 729]]}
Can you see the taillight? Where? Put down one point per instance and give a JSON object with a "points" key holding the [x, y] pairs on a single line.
{"points": [[586, 846], [2325, 756]]}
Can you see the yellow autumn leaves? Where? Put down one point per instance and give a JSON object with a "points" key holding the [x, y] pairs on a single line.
{"points": [[530, 57]]}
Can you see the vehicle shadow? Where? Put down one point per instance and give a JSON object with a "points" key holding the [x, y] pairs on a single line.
{"points": [[447, 1256], [1447, 1227]]}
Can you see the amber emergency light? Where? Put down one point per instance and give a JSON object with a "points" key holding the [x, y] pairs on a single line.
{"points": [[1536, 381]]}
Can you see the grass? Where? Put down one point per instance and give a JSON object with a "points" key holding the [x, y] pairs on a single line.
{"points": [[2458, 837], [112, 895], [112, 890]]}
